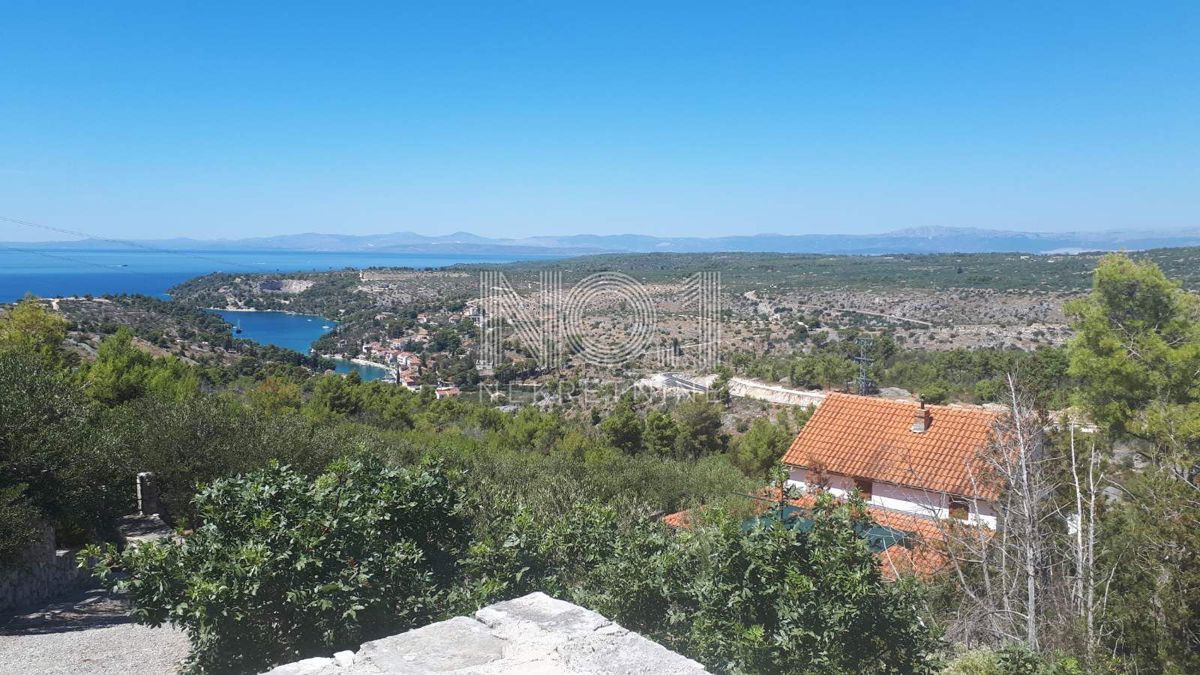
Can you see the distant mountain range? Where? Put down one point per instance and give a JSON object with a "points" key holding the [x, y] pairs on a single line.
{"points": [[916, 240]]}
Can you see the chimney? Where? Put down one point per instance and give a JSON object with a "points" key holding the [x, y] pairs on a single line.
{"points": [[921, 419]]}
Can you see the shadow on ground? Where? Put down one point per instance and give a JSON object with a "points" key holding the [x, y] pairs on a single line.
{"points": [[82, 610]]}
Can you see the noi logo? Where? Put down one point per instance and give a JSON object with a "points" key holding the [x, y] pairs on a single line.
{"points": [[553, 323]]}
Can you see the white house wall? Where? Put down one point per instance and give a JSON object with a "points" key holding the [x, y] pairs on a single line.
{"points": [[899, 498]]}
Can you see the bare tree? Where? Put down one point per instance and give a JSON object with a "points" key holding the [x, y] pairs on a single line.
{"points": [[1088, 495], [1004, 575], [1035, 578]]}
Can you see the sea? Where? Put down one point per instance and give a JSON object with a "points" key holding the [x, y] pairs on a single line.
{"points": [[293, 331], [58, 272]]}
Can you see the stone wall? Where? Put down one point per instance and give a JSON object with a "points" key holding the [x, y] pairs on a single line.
{"points": [[43, 572], [533, 634], [767, 392]]}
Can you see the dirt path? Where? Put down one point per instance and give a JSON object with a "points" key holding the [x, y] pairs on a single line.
{"points": [[87, 632]]}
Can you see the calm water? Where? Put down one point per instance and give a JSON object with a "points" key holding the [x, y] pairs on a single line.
{"points": [[292, 331], [55, 272]]}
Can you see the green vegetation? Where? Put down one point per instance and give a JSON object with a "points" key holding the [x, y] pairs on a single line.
{"points": [[965, 375], [440, 506], [749, 271], [333, 295], [19, 519], [1103, 524], [28, 329], [761, 447], [286, 567], [50, 456], [185, 331], [1012, 660], [1137, 356], [152, 319], [121, 373]]}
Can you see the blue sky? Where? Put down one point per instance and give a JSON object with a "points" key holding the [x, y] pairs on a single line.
{"points": [[210, 119]]}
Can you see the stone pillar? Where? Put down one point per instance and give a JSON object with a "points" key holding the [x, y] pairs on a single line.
{"points": [[147, 494]]}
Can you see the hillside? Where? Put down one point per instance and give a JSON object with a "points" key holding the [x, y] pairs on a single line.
{"points": [[997, 271]]}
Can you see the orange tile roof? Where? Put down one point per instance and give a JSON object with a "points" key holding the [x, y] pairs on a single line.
{"points": [[869, 437], [925, 558], [680, 519]]}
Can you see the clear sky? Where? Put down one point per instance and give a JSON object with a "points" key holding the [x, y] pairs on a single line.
{"points": [[211, 119]]}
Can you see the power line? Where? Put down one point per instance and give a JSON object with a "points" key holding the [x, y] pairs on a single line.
{"points": [[78, 261], [121, 242]]}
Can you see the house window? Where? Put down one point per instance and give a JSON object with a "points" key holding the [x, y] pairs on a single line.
{"points": [[864, 487], [959, 508]]}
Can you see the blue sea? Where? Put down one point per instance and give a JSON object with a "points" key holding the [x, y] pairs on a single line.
{"points": [[293, 331], [54, 272]]}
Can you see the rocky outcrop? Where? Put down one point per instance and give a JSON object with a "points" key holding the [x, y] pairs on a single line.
{"points": [[290, 286], [532, 634]]}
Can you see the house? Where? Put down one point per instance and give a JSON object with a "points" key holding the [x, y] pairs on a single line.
{"points": [[920, 469], [903, 457]]}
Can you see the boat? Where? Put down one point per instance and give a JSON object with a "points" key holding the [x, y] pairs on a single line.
{"points": [[237, 330]]}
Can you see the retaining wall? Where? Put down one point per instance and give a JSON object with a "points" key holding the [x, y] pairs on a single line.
{"points": [[43, 572]]}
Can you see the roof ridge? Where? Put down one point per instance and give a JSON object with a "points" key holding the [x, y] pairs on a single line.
{"points": [[963, 407]]}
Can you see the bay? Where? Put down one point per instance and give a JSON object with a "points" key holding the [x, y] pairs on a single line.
{"points": [[56, 272], [292, 331]]}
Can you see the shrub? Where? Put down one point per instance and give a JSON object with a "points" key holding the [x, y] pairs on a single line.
{"points": [[1020, 660], [17, 524], [47, 447], [286, 567], [935, 393], [982, 661], [1011, 660], [202, 439], [769, 599]]}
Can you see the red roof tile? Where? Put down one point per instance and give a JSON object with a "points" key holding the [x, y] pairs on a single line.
{"points": [[924, 558], [872, 438], [680, 519]]}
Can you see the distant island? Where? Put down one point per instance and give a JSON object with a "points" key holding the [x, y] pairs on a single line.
{"points": [[911, 240]]}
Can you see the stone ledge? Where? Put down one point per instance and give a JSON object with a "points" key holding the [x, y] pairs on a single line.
{"points": [[137, 529], [532, 634]]}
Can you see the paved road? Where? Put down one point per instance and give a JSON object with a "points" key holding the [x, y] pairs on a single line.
{"points": [[87, 632]]}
